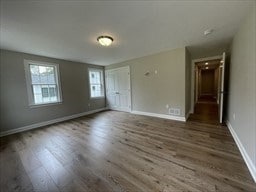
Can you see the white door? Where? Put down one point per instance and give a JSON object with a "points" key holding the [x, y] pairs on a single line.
{"points": [[118, 89], [112, 89], [221, 90]]}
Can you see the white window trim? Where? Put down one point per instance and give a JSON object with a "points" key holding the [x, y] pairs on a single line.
{"points": [[103, 82], [31, 101]]}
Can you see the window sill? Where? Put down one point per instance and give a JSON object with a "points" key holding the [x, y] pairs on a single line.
{"points": [[44, 104]]}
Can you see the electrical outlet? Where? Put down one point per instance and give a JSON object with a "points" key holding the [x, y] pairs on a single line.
{"points": [[167, 106], [234, 116]]}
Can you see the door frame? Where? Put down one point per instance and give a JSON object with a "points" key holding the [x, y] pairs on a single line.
{"points": [[193, 86], [222, 86], [129, 95]]}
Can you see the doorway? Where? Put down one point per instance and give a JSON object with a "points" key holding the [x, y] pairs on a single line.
{"points": [[118, 89], [207, 83]]}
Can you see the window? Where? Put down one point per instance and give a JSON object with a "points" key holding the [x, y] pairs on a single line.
{"points": [[96, 83], [42, 82]]}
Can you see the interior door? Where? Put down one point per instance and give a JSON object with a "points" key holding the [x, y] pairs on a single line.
{"points": [[221, 90], [118, 89], [112, 89], [124, 89]]}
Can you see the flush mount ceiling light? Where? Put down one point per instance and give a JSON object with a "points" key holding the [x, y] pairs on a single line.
{"points": [[206, 63], [105, 40]]}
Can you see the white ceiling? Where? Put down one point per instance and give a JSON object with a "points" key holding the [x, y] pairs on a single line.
{"points": [[69, 29]]}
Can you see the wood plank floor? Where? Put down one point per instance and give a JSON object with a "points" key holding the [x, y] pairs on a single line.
{"points": [[116, 151], [205, 112]]}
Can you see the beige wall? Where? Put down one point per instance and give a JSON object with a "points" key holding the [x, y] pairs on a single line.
{"points": [[242, 85], [153, 92], [188, 69], [15, 111]]}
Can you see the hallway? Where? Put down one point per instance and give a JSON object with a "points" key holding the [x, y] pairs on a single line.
{"points": [[205, 111]]}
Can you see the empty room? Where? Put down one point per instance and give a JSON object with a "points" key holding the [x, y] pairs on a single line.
{"points": [[118, 95]]}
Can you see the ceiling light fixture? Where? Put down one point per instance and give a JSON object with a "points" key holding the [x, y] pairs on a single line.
{"points": [[105, 40], [206, 63], [206, 67]]}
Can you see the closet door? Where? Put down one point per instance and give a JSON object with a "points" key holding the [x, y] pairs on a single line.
{"points": [[118, 89]]}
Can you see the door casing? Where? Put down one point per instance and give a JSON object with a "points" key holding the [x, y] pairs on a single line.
{"points": [[118, 88]]}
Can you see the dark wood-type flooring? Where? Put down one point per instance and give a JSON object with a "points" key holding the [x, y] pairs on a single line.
{"points": [[206, 111], [116, 151]]}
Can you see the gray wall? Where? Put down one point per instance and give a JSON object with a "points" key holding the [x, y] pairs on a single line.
{"points": [[152, 93], [188, 69], [15, 111], [242, 85]]}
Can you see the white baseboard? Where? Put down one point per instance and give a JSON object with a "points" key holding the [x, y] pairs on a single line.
{"points": [[247, 159], [41, 124], [120, 109], [187, 115], [177, 118]]}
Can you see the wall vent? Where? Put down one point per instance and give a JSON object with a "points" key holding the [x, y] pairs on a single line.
{"points": [[174, 111]]}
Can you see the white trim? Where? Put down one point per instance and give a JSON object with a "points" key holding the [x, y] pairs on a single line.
{"points": [[208, 58], [31, 100], [129, 89], [177, 118], [45, 104], [120, 109], [102, 81], [246, 157], [193, 77], [118, 68], [221, 93], [41, 124]]}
